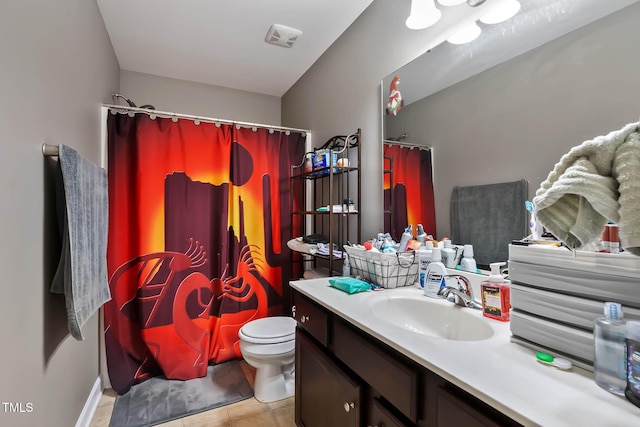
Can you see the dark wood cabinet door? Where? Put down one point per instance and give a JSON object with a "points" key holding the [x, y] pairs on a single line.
{"points": [[454, 411], [325, 394]]}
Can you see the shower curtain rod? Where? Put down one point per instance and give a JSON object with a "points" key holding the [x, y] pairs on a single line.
{"points": [[408, 144], [202, 118], [52, 150]]}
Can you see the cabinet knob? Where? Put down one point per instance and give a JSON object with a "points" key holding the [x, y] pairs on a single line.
{"points": [[348, 406], [293, 311], [304, 319]]}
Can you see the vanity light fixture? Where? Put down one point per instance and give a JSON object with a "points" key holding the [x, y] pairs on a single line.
{"points": [[465, 34], [451, 2], [506, 11], [424, 13]]}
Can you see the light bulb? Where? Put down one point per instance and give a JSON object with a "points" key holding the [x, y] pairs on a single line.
{"points": [[424, 13], [465, 34], [451, 2], [506, 11]]}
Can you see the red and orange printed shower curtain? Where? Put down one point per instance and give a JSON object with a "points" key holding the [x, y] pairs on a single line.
{"points": [[199, 217], [412, 186]]}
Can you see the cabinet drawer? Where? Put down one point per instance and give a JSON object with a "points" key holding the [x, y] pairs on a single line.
{"points": [[379, 416], [310, 317], [455, 411], [394, 380]]}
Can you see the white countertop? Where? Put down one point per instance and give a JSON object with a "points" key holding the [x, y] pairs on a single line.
{"points": [[501, 373]]}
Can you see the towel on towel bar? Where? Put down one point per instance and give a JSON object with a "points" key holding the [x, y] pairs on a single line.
{"points": [[82, 205], [489, 217], [596, 181]]}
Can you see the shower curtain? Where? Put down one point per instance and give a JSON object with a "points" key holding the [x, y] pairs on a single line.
{"points": [[412, 187], [199, 217]]}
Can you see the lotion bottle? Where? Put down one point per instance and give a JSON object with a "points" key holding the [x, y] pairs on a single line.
{"points": [[609, 363], [436, 273], [468, 263], [424, 259], [496, 295]]}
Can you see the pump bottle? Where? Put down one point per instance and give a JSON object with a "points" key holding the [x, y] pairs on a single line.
{"points": [[496, 295]]}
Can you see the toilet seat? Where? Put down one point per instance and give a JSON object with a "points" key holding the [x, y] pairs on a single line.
{"points": [[269, 330]]}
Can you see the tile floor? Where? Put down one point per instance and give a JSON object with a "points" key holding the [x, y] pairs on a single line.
{"points": [[248, 412]]}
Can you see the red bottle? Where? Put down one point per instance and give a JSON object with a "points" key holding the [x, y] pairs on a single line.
{"points": [[496, 295]]}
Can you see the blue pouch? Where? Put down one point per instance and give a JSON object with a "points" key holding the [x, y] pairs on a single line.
{"points": [[350, 285]]}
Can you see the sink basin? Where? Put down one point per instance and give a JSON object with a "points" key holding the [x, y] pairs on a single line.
{"points": [[422, 316]]}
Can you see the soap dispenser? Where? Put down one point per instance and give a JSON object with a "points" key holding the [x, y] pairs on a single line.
{"points": [[468, 263], [496, 295]]}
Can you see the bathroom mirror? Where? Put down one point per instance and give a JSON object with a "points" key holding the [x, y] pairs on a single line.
{"points": [[508, 105]]}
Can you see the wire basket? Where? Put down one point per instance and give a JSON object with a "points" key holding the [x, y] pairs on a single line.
{"points": [[385, 270]]}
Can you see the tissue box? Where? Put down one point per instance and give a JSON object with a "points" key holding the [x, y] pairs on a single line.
{"points": [[322, 161]]}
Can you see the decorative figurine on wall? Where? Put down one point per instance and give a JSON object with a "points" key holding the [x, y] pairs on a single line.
{"points": [[395, 97]]}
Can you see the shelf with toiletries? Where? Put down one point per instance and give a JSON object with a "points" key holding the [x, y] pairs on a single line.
{"points": [[325, 201]]}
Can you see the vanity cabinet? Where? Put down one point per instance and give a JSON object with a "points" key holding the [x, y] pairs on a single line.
{"points": [[346, 377]]}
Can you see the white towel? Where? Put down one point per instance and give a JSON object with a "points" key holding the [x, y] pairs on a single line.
{"points": [[82, 204], [584, 191]]}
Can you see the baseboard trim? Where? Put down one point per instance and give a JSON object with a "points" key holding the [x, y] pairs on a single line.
{"points": [[90, 405]]}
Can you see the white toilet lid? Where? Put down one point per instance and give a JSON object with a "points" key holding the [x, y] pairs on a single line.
{"points": [[269, 329]]}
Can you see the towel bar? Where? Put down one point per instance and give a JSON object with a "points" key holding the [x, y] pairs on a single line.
{"points": [[49, 150]]}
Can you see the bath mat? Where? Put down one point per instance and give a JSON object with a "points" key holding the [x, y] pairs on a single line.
{"points": [[159, 400]]}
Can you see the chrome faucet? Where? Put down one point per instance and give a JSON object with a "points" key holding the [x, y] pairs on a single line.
{"points": [[461, 291]]}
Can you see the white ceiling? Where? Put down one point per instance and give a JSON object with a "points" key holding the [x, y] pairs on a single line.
{"points": [[222, 42]]}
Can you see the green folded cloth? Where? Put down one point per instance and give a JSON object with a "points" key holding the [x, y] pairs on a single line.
{"points": [[350, 285]]}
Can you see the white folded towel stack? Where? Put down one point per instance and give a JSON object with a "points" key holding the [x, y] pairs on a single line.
{"points": [[595, 182]]}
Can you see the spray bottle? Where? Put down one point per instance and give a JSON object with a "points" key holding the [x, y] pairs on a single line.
{"points": [[404, 240]]}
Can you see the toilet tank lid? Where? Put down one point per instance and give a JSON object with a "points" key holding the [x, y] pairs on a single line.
{"points": [[270, 327]]}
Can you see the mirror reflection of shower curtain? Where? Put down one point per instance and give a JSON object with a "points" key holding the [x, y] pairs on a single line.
{"points": [[199, 218], [412, 187]]}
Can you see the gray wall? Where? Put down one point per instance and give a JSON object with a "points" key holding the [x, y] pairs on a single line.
{"points": [[180, 96], [58, 67], [517, 119], [342, 91]]}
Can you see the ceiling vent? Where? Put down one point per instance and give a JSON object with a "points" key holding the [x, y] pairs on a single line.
{"points": [[281, 35]]}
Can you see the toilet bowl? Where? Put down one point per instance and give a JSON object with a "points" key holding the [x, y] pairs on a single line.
{"points": [[268, 344]]}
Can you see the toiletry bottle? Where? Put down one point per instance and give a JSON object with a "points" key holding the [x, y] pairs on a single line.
{"points": [[421, 236], [346, 267], [609, 364], [496, 295], [632, 333], [614, 238], [448, 254], [436, 273], [424, 259], [468, 263], [404, 240]]}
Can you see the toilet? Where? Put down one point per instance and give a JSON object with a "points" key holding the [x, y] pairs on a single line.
{"points": [[268, 344]]}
